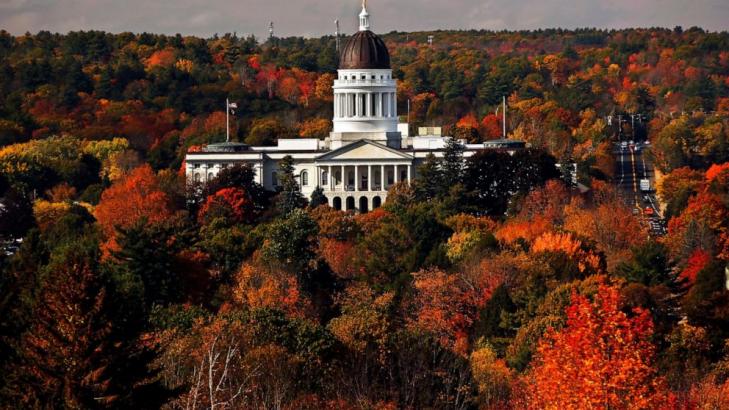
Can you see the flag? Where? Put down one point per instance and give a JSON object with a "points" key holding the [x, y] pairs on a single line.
{"points": [[232, 107]]}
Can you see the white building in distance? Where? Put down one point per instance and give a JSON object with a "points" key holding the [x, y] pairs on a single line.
{"points": [[366, 152]]}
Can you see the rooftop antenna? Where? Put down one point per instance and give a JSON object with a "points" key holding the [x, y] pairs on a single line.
{"points": [[336, 35]]}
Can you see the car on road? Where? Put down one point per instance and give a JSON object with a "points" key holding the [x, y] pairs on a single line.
{"points": [[648, 211]]}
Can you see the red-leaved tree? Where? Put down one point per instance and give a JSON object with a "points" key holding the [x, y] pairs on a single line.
{"points": [[601, 359]]}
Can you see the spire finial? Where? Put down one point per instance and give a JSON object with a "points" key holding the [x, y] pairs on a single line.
{"points": [[364, 17]]}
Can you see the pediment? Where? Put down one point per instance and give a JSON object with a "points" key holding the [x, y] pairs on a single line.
{"points": [[364, 150]]}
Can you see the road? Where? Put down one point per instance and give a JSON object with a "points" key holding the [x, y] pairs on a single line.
{"points": [[632, 166]]}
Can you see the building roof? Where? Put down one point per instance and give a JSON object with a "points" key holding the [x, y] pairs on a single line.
{"points": [[364, 50], [226, 147]]}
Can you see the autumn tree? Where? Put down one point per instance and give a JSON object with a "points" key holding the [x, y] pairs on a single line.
{"points": [[239, 176], [601, 358], [129, 200], [232, 205], [315, 128], [68, 356]]}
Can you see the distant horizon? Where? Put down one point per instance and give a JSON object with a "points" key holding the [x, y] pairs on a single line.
{"points": [[315, 18], [443, 30]]}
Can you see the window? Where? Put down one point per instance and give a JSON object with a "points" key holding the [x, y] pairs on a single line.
{"points": [[324, 177], [197, 177], [304, 178], [364, 77], [196, 166], [373, 77]]}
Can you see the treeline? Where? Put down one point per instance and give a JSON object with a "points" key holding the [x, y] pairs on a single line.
{"points": [[164, 93], [487, 283]]}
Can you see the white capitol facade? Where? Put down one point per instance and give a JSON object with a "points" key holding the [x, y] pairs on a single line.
{"points": [[366, 152]]}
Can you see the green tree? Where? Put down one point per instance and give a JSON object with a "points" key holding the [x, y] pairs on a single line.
{"points": [[452, 165], [290, 197], [289, 242], [317, 198], [429, 182]]}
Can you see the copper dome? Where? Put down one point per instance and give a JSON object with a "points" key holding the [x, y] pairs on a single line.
{"points": [[364, 50]]}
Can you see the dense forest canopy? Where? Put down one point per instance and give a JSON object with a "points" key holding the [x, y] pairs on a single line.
{"points": [[490, 282]]}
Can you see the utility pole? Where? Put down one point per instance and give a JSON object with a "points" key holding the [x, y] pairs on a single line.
{"points": [[503, 121], [620, 127]]}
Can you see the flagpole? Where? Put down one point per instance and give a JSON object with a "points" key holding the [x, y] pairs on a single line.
{"points": [[227, 121]]}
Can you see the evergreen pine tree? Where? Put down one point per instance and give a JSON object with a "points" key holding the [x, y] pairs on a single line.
{"points": [[318, 198], [429, 182], [452, 165], [290, 197]]}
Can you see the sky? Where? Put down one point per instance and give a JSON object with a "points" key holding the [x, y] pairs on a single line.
{"points": [[313, 18]]}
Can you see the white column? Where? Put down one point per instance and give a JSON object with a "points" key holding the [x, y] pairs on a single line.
{"points": [[368, 101], [382, 177], [341, 176], [408, 167], [356, 178], [395, 174], [331, 178], [369, 177]]}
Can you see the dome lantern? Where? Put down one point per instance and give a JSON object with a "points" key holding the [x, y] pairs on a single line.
{"points": [[364, 17]]}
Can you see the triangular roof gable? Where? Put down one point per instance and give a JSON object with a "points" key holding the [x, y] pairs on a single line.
{"points": [[364, 150]]}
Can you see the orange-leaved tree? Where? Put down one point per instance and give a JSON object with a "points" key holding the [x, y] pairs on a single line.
{"points": [[127, 201], [232, 204], [601, 359]]}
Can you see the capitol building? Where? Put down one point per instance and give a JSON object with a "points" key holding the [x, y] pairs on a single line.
{"points": [[366, 152]]}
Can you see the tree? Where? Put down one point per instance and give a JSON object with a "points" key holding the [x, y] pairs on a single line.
{"points": [[233, 205], [650, 266], [452, 165], [429, 181], [290, 197], [491, 126], [16, 215], [318, 198], [602, 358], [265, 131], [315, 128], [68, 358], [142, 267], [289, 242], [127, 201], [492, 178], [240, 176]]}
